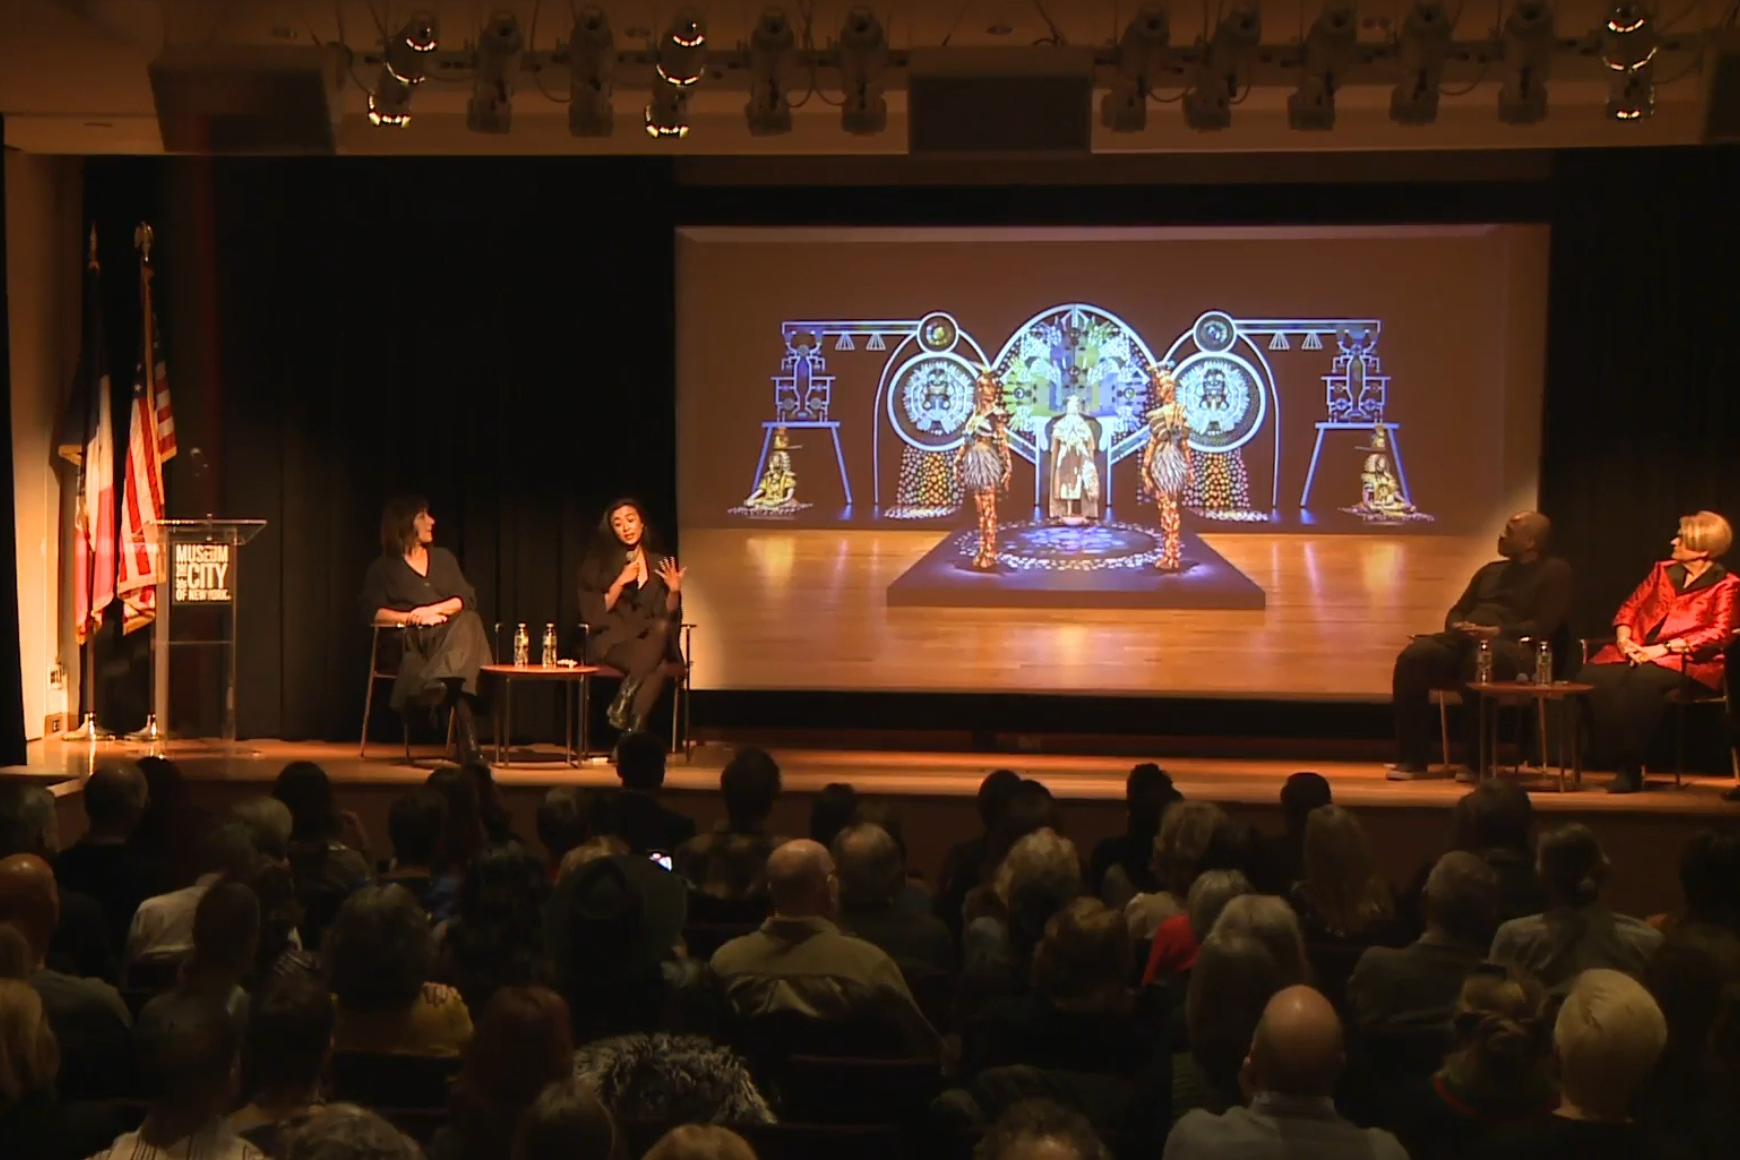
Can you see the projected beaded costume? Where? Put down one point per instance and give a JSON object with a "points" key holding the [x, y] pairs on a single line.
{"points": [[1075, 478], [983, 463], [1166, 464]]}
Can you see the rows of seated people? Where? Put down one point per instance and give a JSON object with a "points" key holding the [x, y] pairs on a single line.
{"points": [[267, 982]]}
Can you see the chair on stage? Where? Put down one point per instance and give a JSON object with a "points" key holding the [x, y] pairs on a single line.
{"points": [[1688, 696], [678, 671], [384, 657], [1443, 698]]}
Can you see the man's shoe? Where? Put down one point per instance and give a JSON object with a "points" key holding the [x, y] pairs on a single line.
{"points": [[1732, 795], [1406, 771], [1626, 783], [1466, 776]]}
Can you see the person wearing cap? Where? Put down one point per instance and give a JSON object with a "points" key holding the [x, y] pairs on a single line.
{"points": [[799, 963]]}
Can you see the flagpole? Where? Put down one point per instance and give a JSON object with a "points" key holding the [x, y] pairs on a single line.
{"points": [[88, 729], [152, 733]]}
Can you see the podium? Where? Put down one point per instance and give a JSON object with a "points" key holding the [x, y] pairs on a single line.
{"points": [[196, 611]]}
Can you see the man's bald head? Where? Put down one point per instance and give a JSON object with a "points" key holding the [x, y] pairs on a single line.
{"points": [[29, 899], [800, 877], [1297, 1050], [1525, 535], [115, 795]]}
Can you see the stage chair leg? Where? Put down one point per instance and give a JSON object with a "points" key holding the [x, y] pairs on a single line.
{"points": [[1444, 730], [1679, 743], [448, 751], [1541, 735], [362, 749]]}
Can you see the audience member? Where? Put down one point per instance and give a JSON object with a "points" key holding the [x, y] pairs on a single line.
{"points": [[831, 811], [670, 1079], [347, 1132], [1173, 949], [1040, 1130], [1576, 932], [1295, 1058], [465, 833], [612, 930], [329, 854], [568, 1122], [700, 1142], [964, 865], [101, 864], [1232, 982], [187, 1048], [29, 824], [417, 827], [800, 963], [592, 849], [280, 945], [913, 897], [495, 938], [269, 824], [872, 873], [1122, 866], [89, 1019], [1710, 880], [1608, 1036], [729, 862], [1179, 846], [34, 1125], [285, 1052], [637, 817], [522, 1046], [498, 824], [1495, 820], [379, 956], [1697, 962], [162, 931], [1273, 923], [1284, 854], [17, 960], [166, 842], [1418, 985], [1498, 1071], [226, 939], [1040, 876], [1343, 896], [563, 822]]}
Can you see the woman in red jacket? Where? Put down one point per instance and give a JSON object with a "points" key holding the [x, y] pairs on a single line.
{"points": [[1676, 627]]}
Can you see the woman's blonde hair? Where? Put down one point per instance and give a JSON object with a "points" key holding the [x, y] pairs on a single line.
{"points": [[29, 1055], [1706, 532], [1503, 1038], [1039, 853], [1183, 840], [1342, 882], [1082, 961]]}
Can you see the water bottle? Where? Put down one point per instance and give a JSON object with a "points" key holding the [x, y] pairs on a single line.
{"points": [[1543, 663], [522, 646], [1483, 663], [547, 655]]}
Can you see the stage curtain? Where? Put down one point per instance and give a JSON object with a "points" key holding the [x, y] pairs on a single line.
{"points": [[12, 748], [1642, 407], [495, 334]]}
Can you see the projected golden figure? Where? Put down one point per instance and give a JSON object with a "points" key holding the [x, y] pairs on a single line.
{"points": [[1166, 463], [983, 462], [777, 490], [1075, 479]]}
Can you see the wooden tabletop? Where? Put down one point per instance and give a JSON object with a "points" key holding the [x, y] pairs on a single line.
{"points": [[542, 672], [1530, 689]]}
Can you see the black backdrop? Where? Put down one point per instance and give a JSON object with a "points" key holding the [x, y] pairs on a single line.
{"points": [[499, 335], [11, 675]]}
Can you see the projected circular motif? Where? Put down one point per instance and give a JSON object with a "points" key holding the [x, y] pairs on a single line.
{"points": [[1049, 547], [1075, 351], [1224, 397], [932, 399], [1215, 332], [938, 332]]}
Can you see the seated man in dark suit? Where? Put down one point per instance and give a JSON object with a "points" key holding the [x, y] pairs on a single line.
{"points": [[1525, 594], [1418, 985], [872, 874], [636, 816]]}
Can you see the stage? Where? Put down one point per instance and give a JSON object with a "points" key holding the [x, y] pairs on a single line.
{"points": [[1407, 821]]}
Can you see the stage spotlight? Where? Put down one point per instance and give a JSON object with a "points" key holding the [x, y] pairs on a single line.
{"points": [[682, 54], [1425, 45], [1140, 54], [667, 114], [1329, 51], [770, 62], [491, 108], [1628, 45], [402, 70], [1225, 68], [863, 59], [1528, 54], [591, 64]]}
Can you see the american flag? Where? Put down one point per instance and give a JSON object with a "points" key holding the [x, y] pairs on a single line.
{"points": [[150, 444], [88, 440]]}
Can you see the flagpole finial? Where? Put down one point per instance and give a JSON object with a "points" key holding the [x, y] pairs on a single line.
{"points": [[93, 247], [142, 238]]}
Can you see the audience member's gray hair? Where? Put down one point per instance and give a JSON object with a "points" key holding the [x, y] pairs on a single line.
{"points": [[1270, 921], [347, 1132], [1461, 897], [28, 821], [870, 868], [1209, 895], [268, 821], [1608, 1036]]}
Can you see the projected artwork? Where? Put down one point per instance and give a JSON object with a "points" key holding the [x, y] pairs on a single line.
{"points": [[1074, 390]]}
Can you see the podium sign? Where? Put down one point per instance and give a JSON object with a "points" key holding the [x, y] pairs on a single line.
{"points": [[200, 573]]}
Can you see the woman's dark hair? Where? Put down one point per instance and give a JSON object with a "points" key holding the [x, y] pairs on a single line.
{"points": [[495, 937], [417, 827], [379, 951], [1710, 878], [881, 812], [399, 523], [306, 790], [564, 820], [1687, 975], [166, 839], [567, 1122], [1494, 815], [604, 555], [994, 794], [491, 810], [522, 1045], [831, 811], [1030, 808], [226, 931], [466, 834], [288, 1035], [280, 912]]}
